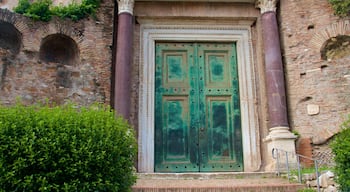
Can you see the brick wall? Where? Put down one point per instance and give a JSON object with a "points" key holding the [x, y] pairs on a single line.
{"points": [[24, 75], [318, 90]]}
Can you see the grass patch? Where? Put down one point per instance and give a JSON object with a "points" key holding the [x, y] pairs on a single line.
{"points": [[307, 190]]}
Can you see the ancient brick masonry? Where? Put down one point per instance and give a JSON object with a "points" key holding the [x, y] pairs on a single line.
{"points": [[311, 80], [32, 77]]}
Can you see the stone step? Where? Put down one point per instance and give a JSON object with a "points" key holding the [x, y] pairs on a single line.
{"points": [[214, 182]]}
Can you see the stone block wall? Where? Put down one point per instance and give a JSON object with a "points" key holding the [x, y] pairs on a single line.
{"points": [[32, 73], [318, 89]]}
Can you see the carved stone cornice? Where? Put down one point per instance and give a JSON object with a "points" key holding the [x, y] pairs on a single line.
{"points": [[125, 6], [266, 5]]}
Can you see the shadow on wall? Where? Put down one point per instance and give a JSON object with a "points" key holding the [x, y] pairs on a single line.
{"points": [[10, 37], [10, 45], [63, 50], [336, 48], [59, 48]]}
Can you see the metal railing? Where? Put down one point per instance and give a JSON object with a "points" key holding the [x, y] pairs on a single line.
{"points": [[277, 153]]}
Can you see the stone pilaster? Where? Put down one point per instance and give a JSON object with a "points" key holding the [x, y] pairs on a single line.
{"points": [[279, 134], [122, 101]]}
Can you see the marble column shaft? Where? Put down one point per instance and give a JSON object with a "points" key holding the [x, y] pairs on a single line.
{"points": [[123, 65], [275, 82]]}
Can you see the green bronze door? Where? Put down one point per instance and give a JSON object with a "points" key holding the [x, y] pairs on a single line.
{"points": [[197, 112]]}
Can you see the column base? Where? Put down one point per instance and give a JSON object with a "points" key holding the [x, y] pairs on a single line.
{"points": [[283, 140]]}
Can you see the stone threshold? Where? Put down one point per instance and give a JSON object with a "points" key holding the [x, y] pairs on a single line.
{"points": [[216, 182], [211, 175]]}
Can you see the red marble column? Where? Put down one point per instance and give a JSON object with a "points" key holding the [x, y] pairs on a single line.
{"points": [[275, 83], [279, 135], [123, 62]]}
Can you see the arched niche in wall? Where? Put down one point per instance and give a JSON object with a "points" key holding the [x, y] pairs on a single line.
{"points": [[62, 50], [336, 47], [59, 48], [333, 40], [10, 37]]}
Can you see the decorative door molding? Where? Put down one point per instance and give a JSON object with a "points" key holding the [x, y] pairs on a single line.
{"points": [[200, 31]]}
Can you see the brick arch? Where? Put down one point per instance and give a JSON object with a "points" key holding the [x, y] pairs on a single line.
{"points": [[34, 31], [64, 27], [21, 24], [58, 29], [10, 36], [7, 16], [340, 28], [59, 48]]}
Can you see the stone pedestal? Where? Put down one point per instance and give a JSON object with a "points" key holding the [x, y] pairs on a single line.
{"points": [[283, 140]]}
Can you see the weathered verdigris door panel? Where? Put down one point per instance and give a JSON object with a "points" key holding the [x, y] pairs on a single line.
{"points": [[220, 138], [176, 148], [197, 108]]}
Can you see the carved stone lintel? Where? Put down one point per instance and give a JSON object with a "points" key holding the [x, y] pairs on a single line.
{"points": [[125, 6], [266, 5]]}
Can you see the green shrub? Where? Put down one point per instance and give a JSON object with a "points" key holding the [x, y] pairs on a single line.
{"points": [[77, 11], [43, 9], [65, 149], [341, 149], [38, 10], [22, 7], [341, 7]]}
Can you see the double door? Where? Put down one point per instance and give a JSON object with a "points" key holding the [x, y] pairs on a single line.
{"points": [[197, 111]]}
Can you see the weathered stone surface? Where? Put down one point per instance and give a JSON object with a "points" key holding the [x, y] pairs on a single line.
{"points": [[83, 80], [326, 182], [312, 183], [309, 177], [313, 109], [311, 80], [330, 188], [326, 179]]}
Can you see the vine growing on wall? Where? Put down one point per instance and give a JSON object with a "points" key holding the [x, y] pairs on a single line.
{"points": [[341, 7], [44, 10]]}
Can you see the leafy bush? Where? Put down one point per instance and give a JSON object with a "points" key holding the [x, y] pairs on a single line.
{"points": [[341, 149], [341, 7], [43, 9], [77, 11], [23, 6], [38, 10], [65, 149]]}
